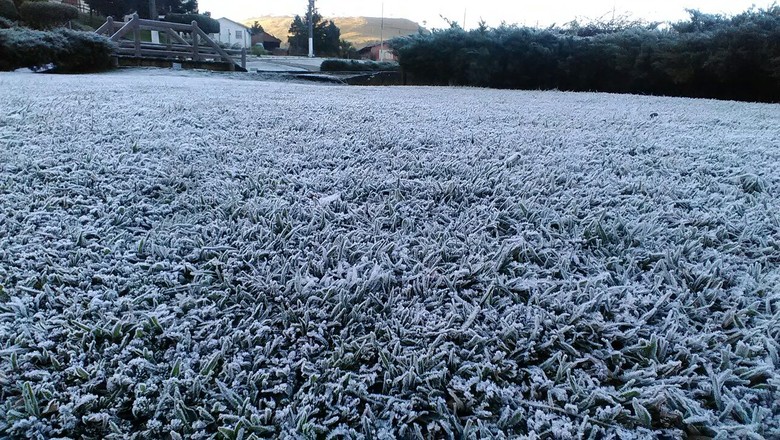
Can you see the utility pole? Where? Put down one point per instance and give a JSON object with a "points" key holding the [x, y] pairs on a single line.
{"points": [[381, 55], [153, 15], [311, 28]]}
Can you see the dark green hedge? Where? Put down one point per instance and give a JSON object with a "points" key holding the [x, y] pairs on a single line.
{"points": [[46, 15], [706, 56], [356, 66], [65, 50], [8, 10], [206, 24]]}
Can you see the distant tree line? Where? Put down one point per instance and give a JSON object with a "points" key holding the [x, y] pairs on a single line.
{"points": [[705, 56]]}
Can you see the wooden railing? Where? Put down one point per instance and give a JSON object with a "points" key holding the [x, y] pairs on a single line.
{"points": [[127, 35]]}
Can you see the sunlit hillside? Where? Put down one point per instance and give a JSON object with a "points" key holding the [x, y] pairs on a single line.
{"points": [[359, 31]]}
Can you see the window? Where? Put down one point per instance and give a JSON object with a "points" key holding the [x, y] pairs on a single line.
{"points": [[238, 35]]}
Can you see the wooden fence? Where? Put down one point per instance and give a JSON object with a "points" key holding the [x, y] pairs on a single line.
{"points": [[199, 47]]}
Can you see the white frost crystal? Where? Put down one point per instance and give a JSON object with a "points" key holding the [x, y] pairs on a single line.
{"points": [[192, 256]]}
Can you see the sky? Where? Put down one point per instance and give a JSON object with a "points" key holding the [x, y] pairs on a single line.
{"points": [[524, 12]]}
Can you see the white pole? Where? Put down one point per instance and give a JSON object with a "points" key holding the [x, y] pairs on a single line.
{"points": [[154, 15], [381, 56], [311, 28]]}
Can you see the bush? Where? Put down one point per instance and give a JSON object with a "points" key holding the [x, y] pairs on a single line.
{"points": [[6, 23], [46, 15], [89, 22], [259, 50], [206, 24], [708, 56], [8, 10], [86, 52], [356, 66], [68, 51]]}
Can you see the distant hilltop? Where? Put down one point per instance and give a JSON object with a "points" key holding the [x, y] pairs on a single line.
{"points": [[360, 31]]}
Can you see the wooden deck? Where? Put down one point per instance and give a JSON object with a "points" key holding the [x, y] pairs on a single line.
{"points": [[183, 44]]}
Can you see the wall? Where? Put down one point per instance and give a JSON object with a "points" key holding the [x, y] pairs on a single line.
{"points": [[227, 33]]}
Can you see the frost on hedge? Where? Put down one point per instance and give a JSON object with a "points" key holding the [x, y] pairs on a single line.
{"points": [[439, 263], [64, 50]]}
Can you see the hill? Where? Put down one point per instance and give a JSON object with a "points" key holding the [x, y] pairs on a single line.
{"points": [[359, 31]]}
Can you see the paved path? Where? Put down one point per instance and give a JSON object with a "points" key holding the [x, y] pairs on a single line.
{"points": [[283, 64]]}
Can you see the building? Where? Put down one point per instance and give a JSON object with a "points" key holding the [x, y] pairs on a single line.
{"points": [[373, 52], [269, 42], [233, 33]]}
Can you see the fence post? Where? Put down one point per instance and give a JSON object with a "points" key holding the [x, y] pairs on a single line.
{"points": [[195, 37], [137, 35], [110, 21], [243, 58]]}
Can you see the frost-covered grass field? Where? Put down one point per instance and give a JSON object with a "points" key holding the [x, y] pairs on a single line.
{"points": [[186, 257]]}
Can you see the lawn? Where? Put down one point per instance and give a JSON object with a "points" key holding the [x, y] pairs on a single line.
{"points": [[185, 256]]}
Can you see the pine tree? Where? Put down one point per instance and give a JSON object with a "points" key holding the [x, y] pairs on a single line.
{"points": [[326, 36], [256, 28]]}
